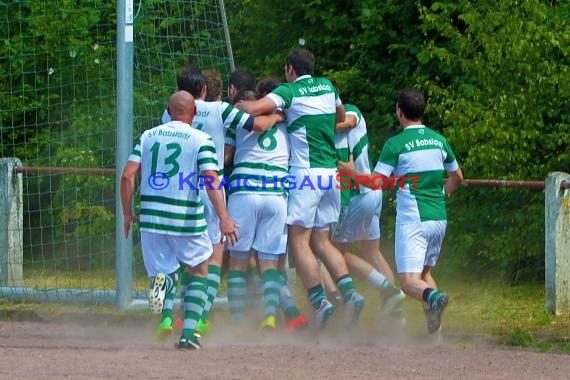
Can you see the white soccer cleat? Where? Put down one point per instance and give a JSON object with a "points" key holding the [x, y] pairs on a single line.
{"points": [[157, 293], [392, 299], [323, 313]]}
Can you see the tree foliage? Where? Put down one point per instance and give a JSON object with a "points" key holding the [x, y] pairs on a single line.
{"points": [[496, 76], [58, 104], [495, 73], [57, 108]]}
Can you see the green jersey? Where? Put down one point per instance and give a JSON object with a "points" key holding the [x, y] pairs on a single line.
{"points": [[310, 105], [341, 145], [420, 155], [357, 139]]}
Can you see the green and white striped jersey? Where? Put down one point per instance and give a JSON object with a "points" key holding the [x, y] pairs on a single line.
{"points": [[421, 155], [357, 139], [261, 160], [214, 118], [341, 145], [171, 157], [310, 105]]}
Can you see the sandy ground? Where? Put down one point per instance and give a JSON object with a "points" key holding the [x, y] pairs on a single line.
{"points": [[83, 347]]}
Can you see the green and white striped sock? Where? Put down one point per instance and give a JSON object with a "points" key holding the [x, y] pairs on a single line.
{"points": [[286, 302], [346, 287], [214, 277], [271, 285], [237, 292], [184, 282], [316, 296], [194, 300]]}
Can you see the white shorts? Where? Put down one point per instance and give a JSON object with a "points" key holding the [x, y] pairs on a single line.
{"points": [[362, 219], [163, 253], [418, 245], [212, 218], [261, 220], [314, 200]]}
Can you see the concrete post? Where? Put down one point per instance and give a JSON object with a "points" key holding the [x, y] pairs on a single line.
{"points": [[557, 243], [11, 223]]}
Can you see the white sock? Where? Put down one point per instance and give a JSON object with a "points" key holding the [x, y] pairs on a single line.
{"points": [[378, 280]]}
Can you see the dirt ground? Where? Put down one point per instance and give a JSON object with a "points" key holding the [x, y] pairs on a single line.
{"points": [[90, 348]]}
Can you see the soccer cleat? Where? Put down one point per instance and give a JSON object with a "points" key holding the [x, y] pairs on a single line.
{"points": [[164, 329], [353, 308], [157, 293], [297, 323], [268, 324], [189, 344], [391, 299], [202, 327], [435, 313], [323, 313]]}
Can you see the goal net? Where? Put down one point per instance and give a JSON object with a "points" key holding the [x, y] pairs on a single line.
{"points": [[58, 130]]}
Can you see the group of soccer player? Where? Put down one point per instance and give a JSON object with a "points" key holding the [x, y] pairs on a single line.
{"points": [[298, 129]]}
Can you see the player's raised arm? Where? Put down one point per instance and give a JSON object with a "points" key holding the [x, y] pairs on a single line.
{"points": [[264, 122], [263, 106], [348, 123]]}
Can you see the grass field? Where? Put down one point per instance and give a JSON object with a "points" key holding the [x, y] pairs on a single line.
{"points": [[514, 315]]}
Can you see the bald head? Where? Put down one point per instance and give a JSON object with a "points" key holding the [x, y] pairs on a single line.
{"points": [[182, 107]]}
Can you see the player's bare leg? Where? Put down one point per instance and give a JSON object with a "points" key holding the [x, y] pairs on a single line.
{"points": [[370, 252], [336, 265], [330, 287], [308, 270], [391, 296], [416, 286]]}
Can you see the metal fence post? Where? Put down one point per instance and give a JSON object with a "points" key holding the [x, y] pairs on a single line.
{"points": [[125, 54], [557, 243], [11, 223]]}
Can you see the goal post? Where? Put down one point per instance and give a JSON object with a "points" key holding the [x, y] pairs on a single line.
{"points": [[125, 53], [167, 36]]}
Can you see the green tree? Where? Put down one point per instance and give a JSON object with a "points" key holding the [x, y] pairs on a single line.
{"points": [[495, 74], [57, 74]]}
